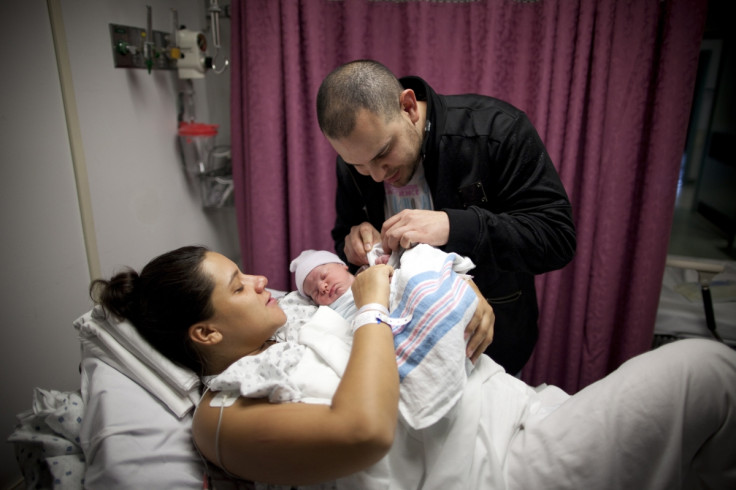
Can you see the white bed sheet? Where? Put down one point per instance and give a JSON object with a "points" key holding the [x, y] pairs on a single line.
{"points": [[681, 313], [138, 407], [130, 439]]}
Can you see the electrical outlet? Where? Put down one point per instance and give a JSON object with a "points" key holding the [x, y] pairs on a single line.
{"points": [[129, 48]]}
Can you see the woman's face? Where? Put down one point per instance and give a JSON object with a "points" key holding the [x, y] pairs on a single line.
{"points": [[245, 313], [327, 282]]}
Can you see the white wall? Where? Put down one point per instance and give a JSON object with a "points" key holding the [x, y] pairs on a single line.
{"points": [[142, 202]]}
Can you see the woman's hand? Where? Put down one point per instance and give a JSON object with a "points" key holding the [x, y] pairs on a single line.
{"points": [[372, 285]]}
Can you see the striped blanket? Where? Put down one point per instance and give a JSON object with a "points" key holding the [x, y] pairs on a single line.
{"points": [[430, 349]]}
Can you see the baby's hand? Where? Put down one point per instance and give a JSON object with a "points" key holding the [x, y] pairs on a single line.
{"points": [[383, 259]]}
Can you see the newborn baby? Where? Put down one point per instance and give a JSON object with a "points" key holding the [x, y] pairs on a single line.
{"points": [[325, 279], [321, 276]]}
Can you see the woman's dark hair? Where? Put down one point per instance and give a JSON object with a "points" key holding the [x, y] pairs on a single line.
{"points": [[170, 294]]}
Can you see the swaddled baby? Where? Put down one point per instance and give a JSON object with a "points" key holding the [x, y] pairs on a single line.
{"points": [[430, 304], [325, 279]]}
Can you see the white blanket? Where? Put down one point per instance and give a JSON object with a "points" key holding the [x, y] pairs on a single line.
{"points": [[307, 370]]}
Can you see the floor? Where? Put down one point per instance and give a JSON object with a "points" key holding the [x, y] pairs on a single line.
{"points": [[694, 236]]}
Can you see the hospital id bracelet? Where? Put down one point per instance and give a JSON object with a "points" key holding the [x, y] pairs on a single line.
{"points": [[369, 314], [366, 318], [373, 307], [376, 313]]}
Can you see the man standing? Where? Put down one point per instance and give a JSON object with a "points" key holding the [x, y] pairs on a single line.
{"points": [[466, 173]]}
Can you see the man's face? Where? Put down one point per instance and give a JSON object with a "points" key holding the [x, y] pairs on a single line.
{"points": [[387, 151]]}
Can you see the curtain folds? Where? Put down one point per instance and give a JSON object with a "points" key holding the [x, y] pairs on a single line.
{"points": [[608, 84]]}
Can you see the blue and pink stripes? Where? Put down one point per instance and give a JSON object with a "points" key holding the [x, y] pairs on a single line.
{"points": [[437, 301]]}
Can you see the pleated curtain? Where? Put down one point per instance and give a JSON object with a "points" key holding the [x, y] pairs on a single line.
{"points": [[607, 83]]}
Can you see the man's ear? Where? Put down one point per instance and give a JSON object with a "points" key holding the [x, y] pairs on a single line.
{"points": [[204, 333], [408, 101]]}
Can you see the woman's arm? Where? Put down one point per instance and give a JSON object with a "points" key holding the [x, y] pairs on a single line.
{"points": [[298, 443]]}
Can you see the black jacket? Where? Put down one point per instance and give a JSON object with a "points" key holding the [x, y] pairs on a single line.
{"points": [[488, 169]]}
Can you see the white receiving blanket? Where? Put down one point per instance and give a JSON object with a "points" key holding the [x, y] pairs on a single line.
{"points": [[289, 371]]}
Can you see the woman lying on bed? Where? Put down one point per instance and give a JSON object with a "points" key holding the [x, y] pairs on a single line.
{"points": [[665, 419]]}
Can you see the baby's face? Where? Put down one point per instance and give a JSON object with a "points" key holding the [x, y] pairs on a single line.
{"points": [[325, 283]]}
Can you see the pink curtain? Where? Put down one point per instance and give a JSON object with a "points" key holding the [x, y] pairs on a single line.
{"points": [[608, 84]]}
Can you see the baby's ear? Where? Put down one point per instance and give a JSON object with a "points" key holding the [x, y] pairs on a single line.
{"points": [[204, 333]]}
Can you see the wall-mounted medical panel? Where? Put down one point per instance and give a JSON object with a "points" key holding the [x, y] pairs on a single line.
{"points": [[132, 48]]}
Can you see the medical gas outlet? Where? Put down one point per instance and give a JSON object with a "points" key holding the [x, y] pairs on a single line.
{"points": [[192, 46], [181, 49]]}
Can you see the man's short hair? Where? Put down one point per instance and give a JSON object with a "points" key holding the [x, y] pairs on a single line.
{"points": [[360, 84]]}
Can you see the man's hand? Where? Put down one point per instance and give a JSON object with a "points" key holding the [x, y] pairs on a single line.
{"points": [[359, 242], [479, 332], [412, 226]]}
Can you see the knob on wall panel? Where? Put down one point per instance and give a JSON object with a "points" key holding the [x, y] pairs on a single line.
{"points": [[128, 48]]}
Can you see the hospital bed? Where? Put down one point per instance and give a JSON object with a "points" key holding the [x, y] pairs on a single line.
{"points": [[698, 299], [129, 425], [127, 428]]}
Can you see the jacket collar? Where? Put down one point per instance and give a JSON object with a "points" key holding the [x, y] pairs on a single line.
{"points": [[436, 110]]}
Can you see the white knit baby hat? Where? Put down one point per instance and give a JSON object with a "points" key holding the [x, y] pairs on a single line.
{"points": [[308, 260]]}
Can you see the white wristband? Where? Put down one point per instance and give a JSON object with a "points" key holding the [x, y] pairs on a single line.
{"points": [[377, 313], [375, 307], [365, 318]]}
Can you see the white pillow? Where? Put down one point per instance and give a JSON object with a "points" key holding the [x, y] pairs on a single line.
{"points": [[119, 344]]}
